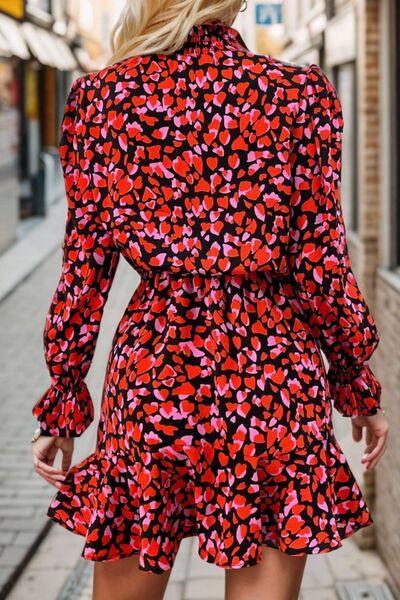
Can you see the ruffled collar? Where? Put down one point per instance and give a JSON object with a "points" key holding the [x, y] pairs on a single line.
{"points": [[215, 33]]}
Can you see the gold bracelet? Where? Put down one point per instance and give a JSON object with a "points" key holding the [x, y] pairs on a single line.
{"points": [[36, 435]]}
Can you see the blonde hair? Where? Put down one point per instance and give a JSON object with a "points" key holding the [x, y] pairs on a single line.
{"points": [[162, 26]]}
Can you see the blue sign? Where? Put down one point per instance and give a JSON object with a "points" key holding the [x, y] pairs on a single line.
{"points": [[268, 13]]}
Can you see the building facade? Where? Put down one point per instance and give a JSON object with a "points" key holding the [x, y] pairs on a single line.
{"points": [[44, 45], [356, 43]]}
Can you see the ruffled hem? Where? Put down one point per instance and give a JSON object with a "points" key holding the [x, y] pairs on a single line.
{"points": [[65, 410], [145, 505], [350, 530], [355, 390]]}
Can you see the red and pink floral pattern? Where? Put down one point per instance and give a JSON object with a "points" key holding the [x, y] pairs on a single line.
{"points": [[216, 174]]}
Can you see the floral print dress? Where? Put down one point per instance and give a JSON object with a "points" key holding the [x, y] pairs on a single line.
{"points": [[216, 174]]}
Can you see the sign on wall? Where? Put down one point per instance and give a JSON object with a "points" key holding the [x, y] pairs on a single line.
{"points": [[14, 8], [268, 13]]}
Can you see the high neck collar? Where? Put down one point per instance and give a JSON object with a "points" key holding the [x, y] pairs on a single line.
{"points": [[215, 33]]}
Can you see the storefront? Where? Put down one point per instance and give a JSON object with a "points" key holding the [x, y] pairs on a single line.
{"points": [[13, 50], [36, 69], [46, 76]]}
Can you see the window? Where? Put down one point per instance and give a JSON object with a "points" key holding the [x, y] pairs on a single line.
{"points": [[345, 78], [40, 4], [330, 8]]}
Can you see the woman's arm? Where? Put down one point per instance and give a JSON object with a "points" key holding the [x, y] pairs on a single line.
{"points": [[89, 262], [319, 262]]}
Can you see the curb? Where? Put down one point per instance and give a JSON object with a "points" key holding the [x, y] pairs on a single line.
{"points": [[29, 252]]}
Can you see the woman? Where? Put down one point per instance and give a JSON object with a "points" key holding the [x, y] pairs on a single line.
{"points": [[215, 173]]}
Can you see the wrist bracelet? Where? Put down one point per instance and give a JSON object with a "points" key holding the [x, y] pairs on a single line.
{"points": [[36, 435]]}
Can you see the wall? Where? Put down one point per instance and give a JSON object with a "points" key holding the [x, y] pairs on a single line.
{"points": [[387, 514]]}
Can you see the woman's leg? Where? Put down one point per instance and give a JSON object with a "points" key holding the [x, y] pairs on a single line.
{"points": [[277, 577], [122, 580]]}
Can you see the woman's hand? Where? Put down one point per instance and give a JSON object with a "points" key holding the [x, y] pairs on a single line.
{"points": [[376, 436], [44, 450]]}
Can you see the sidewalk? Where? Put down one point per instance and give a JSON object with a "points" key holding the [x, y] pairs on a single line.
{"points": [[24, 496], [26, 254]]}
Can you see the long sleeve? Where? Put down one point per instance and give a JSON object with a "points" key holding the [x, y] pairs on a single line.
{"points": [[89, 263], [325, 285]]}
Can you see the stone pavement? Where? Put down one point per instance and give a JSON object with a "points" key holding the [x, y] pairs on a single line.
{"points": [[24, 496], [36, 243], [58, 573]]}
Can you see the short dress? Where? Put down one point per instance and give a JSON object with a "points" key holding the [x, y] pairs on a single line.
{"points": [[215, 172]]}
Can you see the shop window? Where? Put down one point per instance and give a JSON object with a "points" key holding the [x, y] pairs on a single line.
{"points": [[345, 79], [330, 8], [43, 5]]}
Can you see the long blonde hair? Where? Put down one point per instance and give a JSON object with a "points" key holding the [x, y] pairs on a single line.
{"points": [[162, 26]]}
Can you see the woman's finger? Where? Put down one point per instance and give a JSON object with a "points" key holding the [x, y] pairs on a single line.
{"points": [[52, 477], [43, 475], [371, 454], [371, 465], [47, 468], [370, 446]]}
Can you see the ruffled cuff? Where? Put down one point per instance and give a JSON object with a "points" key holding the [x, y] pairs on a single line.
{"points": [[65, 410], [355, 390]]}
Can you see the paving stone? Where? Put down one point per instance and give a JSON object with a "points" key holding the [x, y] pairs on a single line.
{"points": [[7, 537], [22, 258], [42, 493], [319, 594], [6, 493], [16, 502], [5, 574], [17, 482], [33, 524], [56, 555], [317, 573], [174, 592], [181, 565], [24, 538], [41, 584], [25, 496], [12, 555], [205, 589], [354, 564]]}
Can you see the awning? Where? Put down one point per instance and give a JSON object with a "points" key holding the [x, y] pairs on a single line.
{"points": [[65, 54], [48, 48], [87, 64], [4, 47], [38, 43], [12, 40]]}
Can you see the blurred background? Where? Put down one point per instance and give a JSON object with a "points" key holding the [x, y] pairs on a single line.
{"points": [[44, 46]]}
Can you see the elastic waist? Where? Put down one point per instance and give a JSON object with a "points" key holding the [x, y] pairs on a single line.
{"points": [[267, 275]]}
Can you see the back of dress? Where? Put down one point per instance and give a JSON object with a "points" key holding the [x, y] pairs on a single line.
{"points": [[190, 155], [216, 174]]}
